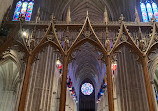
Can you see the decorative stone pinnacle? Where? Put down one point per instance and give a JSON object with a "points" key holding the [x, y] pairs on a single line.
{"points": [[106, 16], [136, 15], [68, 16], [38, 15], [67, 40], [121, 18], [52, 17], [87, 13], [153, 19]]}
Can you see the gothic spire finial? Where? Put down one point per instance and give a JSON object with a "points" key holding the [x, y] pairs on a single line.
{"points": [[38, 15], [153, 19], [139, 34], [87, 13], [136, 15], [52, 18], [68, 16], [106, 18], [121, 18]]}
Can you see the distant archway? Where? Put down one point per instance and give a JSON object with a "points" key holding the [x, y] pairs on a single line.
{"points": [[87, 98]]}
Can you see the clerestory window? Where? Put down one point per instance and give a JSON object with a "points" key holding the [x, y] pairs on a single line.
{"points": [[149, 9], [23, 10]]}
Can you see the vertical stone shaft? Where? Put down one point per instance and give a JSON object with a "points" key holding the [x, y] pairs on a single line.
{"points": [[109, 84], [148, 87], [25, 85], [63, 85]]}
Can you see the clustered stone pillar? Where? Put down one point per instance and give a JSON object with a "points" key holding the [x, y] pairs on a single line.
{"points": [[148, 87], [25, 85]]}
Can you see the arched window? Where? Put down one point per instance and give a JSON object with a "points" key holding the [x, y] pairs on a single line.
{"points": [[155, 10], [23, 9], [17, 11], [149, 9], [29, 11], [144, 12]]}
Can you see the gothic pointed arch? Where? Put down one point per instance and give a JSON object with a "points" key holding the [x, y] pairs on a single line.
{"points": [[10, 77], [87, 34]]}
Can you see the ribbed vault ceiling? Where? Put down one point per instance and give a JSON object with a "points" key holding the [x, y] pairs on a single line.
{"points": [[87, 61], [95, 7], [86, 65]]}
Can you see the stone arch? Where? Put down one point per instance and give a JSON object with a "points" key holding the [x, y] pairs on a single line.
{"points": [[82, 41], [42, 46], [10, 82], [137, 51]]}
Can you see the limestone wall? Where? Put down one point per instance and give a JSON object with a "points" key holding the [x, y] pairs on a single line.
{"points": [[4, 5]]}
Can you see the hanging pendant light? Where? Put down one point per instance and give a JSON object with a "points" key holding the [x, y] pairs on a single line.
{"points": [[114, 66], [58, 64]]}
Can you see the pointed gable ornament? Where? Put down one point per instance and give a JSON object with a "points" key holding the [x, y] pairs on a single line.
{"points": [[136, 15], [121, 19], [68, 16], [106, 18], [38, 15], [52, 18], [87, 13], [153, 19]]}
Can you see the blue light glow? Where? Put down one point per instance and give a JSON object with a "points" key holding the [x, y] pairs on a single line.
{"points": [[29, 11], [155, 10], [150, 12], [144, 12], [17, 11]]}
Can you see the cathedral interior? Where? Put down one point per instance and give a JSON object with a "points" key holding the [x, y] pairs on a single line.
{"points": [[78, 55]]}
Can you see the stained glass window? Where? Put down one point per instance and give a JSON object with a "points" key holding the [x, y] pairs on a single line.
{"points": [[23, 9], [29, 11], [150, 12], [17, 11], [144, 12], [155, 10], [87, 89]]}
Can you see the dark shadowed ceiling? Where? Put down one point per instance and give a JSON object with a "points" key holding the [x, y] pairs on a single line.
{"points": [[95, 7]]}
